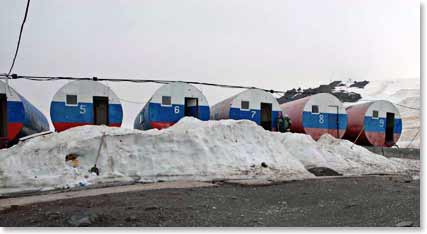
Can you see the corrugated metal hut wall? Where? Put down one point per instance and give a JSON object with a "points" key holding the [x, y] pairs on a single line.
{"points": [[34, 121], [23, 118], [294, 111], [15, 111], [139, 122], [375, 122], [231, 108], [221, 110], [66, 115], [167, 106], [355, 126]]}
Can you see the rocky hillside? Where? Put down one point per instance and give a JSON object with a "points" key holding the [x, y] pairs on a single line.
{"points": [[333, 88]]}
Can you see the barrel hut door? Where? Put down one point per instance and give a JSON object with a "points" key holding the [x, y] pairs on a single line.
{"points": [[3, 119], [100, 110], [266, 121], [389, 129], [191, 107], [333, 121]]}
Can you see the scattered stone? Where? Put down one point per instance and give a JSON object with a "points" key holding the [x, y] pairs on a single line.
{"points": [[82, 220], [405, 224], [323, 171], [350, 205], [263, 164], [10, 208], [131, 219], [152, 207], [53, 215]]}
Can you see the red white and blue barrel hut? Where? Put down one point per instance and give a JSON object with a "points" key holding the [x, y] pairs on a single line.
{"points": [[375, 123], [252, 104], [18, 117], [170, 103], [316, 115], [85, 102]]}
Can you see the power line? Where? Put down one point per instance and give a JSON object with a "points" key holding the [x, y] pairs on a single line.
{"points": [[409, 107], [19, 38], [52, 78], [133, 102], [413, 139]]}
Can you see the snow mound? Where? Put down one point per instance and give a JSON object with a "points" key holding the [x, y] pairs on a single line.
{"points": [[190, 150]]}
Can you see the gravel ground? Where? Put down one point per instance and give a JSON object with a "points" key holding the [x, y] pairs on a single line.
{"points": [[363, 201]]}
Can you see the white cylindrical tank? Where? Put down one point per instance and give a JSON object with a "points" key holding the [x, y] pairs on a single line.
{"points": [[169, 104], [85, 102], [252, 104]]}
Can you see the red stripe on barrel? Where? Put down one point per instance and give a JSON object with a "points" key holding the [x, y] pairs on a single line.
{"points": [[161, 125], [13, 130], [59, 127]]}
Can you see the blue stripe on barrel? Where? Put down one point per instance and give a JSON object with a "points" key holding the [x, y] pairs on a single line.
{"points": [[324, 120], [82, 113]]}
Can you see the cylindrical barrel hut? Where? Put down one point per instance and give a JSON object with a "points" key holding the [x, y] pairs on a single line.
{"points": [[85, 102], [169, 104], [375, 123], [18, 117], [316, 115], [252, 104]]}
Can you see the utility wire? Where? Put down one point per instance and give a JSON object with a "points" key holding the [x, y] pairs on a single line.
{"points": [[19, 38], [409, 107], [413, 139], [52, 78]]}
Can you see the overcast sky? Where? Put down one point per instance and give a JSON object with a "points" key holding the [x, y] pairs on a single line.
{"points": [[270, 44]]}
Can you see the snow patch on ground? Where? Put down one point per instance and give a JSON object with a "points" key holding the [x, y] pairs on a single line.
{"points": [[190, 150]]}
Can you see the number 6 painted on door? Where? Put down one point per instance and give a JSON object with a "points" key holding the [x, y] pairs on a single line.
{"points": [[176, 109]]}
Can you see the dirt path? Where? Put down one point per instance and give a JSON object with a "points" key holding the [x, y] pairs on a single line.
{"points": [[26, 200], [362, 201]]}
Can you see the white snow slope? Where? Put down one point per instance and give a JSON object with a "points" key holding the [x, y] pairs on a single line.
{"points": [[190, 150], [403, 93]]}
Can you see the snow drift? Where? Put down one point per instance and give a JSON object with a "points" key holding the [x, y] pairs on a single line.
{"points": [[190, 150]]}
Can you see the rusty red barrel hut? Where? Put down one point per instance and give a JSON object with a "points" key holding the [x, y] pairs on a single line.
{"points": [[316, 115], [375, 123]]}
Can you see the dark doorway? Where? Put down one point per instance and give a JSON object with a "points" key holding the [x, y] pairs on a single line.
{"points": [[3, 116], [389, 128], [266, 109], [100, 110], [333, 121], [191, 107]]}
